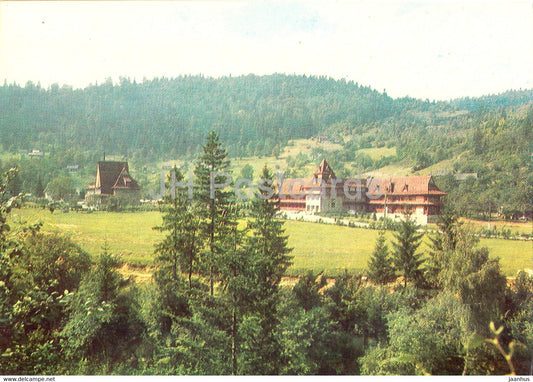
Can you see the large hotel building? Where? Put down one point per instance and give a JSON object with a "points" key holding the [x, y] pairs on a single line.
{"points": [[388, 197]]}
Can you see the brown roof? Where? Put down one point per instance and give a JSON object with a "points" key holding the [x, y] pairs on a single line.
{"points": [[125, 180], [406, 185], [324, 172], [293, 187], [111, 175]]}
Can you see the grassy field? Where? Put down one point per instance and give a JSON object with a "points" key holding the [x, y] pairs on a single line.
{"points": [[129, 235], [378, 152], [296, 146], [315, 246], [335, 248]]}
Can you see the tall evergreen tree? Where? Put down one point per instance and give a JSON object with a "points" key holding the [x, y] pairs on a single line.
{"points": [[216, 206], [405, 259], [380, 268], [267, 246], [234, 268], [179, 249]]}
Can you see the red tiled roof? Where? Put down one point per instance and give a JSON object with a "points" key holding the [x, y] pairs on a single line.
{"points": [[406, 185], [293, 187]]}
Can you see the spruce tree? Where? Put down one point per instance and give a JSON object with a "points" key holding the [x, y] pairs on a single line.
{"points": [[267, 247], [268, 242], [178, 252], [380, 268], [405, 259], [215, 207]]}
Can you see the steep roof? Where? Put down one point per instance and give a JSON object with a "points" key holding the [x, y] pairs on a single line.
{"points": [[125, 180], [110, 174], [324, 172], [405, 185]]}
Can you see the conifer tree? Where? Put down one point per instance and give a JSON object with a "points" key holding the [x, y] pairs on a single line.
{"points": [[234, 269], [267, 247], [405, 259], [268, 242], [215, 206], [178, 250], [380, 268]]}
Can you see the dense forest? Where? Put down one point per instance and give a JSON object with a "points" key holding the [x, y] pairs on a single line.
{"points": [[161, 119], [216, 305]]}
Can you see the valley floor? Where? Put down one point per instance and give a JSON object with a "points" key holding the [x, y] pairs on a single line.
{"points": [[318, 247]]}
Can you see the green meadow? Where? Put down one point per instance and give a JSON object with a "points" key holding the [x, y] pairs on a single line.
{"points": [[319, 247]]}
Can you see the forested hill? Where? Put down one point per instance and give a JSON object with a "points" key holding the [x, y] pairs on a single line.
{"points": [[169, 117], [255, 115]]}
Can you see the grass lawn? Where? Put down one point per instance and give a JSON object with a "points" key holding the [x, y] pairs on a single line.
{"points": [[129, 235], [315, 246]]}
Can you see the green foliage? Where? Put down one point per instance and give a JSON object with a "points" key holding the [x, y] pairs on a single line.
{"points": [[267, 251], [104, 326], [179, 249], [247, 172], [307, 290], [57, 264], [37, 274], [60, 188], [380, 268], [39, 188], [476, 278], [215, 206], [442, 242], [431, 340], [308, 341], [405, 259]]}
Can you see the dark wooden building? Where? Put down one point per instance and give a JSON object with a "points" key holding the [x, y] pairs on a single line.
{"points": [[112, 179]]}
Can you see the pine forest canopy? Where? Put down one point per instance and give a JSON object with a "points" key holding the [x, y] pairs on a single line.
{"points": [[252, 114]]}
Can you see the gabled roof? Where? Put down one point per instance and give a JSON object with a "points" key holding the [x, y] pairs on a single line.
{"points": [[324, 172], [405, 185], [111, 175], [125, 180]]}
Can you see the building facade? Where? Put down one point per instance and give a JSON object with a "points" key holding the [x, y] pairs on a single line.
{"points": [[389, 197], [112, 179]]}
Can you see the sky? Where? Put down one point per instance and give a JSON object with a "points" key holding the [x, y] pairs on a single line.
{"points": [[433, 50]]}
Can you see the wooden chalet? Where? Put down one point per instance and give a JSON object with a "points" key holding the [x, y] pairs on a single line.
{"points": [[112, 178]]}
